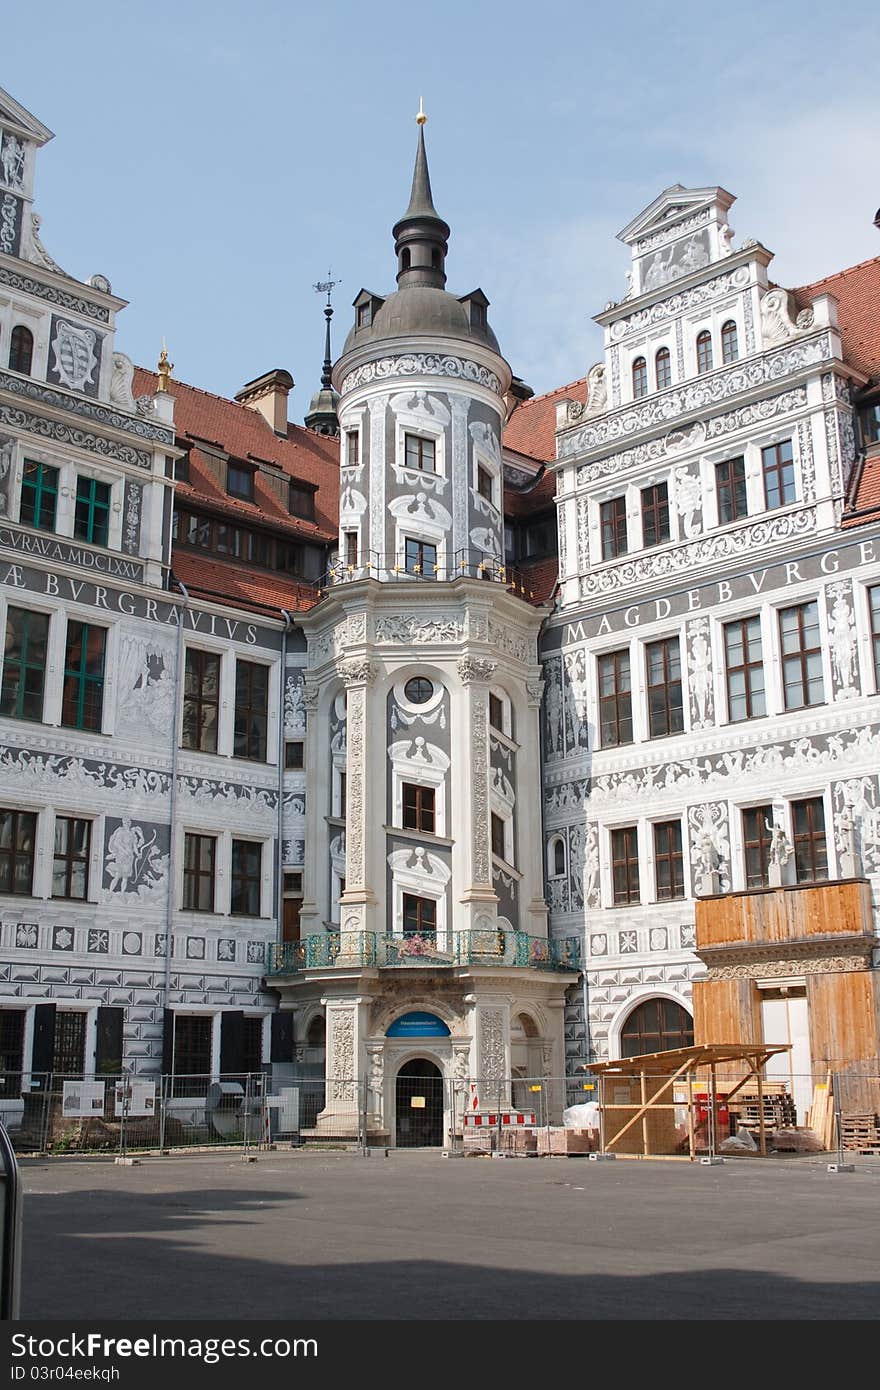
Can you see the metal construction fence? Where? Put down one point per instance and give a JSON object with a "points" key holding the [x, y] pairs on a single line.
{"points": [[632, 1115]]}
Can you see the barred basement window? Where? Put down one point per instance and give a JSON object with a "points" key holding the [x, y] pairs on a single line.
{"points": [[69, 1057]]}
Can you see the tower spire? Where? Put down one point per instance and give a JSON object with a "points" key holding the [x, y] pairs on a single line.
{"points": [[421, 236], [322, 415]]}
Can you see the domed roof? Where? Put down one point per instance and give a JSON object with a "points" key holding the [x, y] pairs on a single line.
{"points": [[422, 311]]}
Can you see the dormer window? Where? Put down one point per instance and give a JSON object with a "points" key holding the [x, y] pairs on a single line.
{"points": [[21, 350], [640, 377], [420, 453], [301, 502], [704, 351], [364, 315], [478, 314], [663, 369], [729, 342], [240, 481]]}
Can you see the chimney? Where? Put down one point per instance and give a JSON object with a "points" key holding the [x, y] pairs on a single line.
{"points": [[268, 395]]}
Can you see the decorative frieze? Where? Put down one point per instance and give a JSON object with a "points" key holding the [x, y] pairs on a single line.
{"points": [[412, 629], [77, 439], [98, 414], [52, 294], [421, 364], [676, 304]]}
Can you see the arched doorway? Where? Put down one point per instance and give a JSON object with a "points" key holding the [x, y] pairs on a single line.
{"points": [[418, 1096], [656, 1025]]}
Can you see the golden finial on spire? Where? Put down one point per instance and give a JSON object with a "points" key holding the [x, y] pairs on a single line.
{"points": [[421, 117], [165, 368]]}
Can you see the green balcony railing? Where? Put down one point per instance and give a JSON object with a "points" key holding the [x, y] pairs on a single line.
{"points": [[502, 948]]}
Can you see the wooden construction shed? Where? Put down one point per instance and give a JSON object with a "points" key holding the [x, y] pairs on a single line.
{"points": [[639, 1096]]}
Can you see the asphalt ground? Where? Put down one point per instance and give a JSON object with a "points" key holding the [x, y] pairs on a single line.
{"points": [[414, 1236]]}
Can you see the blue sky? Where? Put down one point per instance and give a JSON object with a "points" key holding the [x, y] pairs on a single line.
{"points": [[214, 159]]}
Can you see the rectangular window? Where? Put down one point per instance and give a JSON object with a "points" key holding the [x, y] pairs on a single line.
{"points": [[756, 844], [484, 482], [613, 519], [343, 795], [419, 916], [420, 453], [252, 1043], [801, 656], [199, 854], [496, 712], [301, 502], [498, 837], [82, 699], [418, 808], [655, 514], [24, 664], [18, 835], [874, 596], [352, 449], [70, 867], [201, 700], [247, 863], [257, 547], [39, 495], [294, 754], [192, 1051], [745, 669], [91, 520], [615, 700], [730, 485], [69, 1057], [421, 558], [251, 710], [778, 463], [625, 865], [869, 423], [11, 1048], [668, 861], [351, 548], [364, 315], [665, 704], [810, 848], [240, 481]]}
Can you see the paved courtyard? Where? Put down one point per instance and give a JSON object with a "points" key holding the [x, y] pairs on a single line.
{"points": [[334, 1235]]}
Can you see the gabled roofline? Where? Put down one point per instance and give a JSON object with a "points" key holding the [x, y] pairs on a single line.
{"points": [[676, 192], [24, 121]]}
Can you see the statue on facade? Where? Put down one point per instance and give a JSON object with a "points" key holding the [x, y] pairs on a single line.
{"points": [[708, 865], [781, 851]]}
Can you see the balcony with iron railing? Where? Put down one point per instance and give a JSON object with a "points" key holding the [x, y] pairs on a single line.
{"points": [[464, 564], [507, 949]]}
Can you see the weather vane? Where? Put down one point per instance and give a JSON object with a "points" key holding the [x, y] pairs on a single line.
{"points": [[327, 286]]}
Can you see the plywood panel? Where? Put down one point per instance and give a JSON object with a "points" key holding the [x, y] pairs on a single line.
{"points": [[844, 1017], [785, 914], [726, 1011]]}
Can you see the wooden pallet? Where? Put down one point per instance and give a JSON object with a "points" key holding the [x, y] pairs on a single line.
{"points": [[860, 1133]]}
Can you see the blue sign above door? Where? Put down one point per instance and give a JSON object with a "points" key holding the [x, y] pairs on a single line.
{"points": [[418, 1025]]}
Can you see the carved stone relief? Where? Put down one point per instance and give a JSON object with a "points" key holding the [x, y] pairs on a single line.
{"points": [[492, 1051], [146, 686], [777, 323], [699, 670], [709, 835], [120, 383], [343, 1066], [842, 639], [135, 861], [421, 364]]}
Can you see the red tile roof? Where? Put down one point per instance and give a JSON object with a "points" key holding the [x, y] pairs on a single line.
{"points": [[243, 433], [540, 578], [531, 428], [857, 291], [236, 584]]}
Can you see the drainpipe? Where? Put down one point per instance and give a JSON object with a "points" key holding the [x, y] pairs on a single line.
{"points": [[279, 880], [172, 838]]}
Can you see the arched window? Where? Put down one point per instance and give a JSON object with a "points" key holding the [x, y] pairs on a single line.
{"points": [[316, 1035], [663, 368], [704, 351], [657, 1025], [556, 857], [405, 258], [640, 377], [435, 258], [21, 350], [729, 342]]}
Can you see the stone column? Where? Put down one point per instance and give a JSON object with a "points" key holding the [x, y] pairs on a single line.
{"points": [[345, 1067], [532, 861], [478, 898], [358, 674], [309, 914], [492, 1036]]}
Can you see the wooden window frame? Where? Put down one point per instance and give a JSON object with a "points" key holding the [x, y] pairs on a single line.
{"points": [[25, 665], [749, 666], [297, 490], [68, 859], [874, 614], [799, 659], [617, 704], [421, 913], [294, 761], [188, 1027], [496, 712], [705, 356], [352, 448], [613, 525], [672, 711], [21, 824], [778, 474], [79, 682], [251, 726], [418, 807], [246, 881], [655, 515], [419, 567], [625, 884], [194, 876], [729, 342], [671, 855], [730, 490], [663, 368], [415, 444], [485, 483], [21, 350], [351, 548], [756, 844], [197, 660], [498, 836], [811, 843], [246, 471], [639, 378], [69, 1049]]}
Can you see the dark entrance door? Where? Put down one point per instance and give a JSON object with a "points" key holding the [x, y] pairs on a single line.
{"points": [[419, 1105]]}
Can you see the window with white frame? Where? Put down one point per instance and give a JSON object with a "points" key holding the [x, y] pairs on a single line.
{"points": [[556, 857]]}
